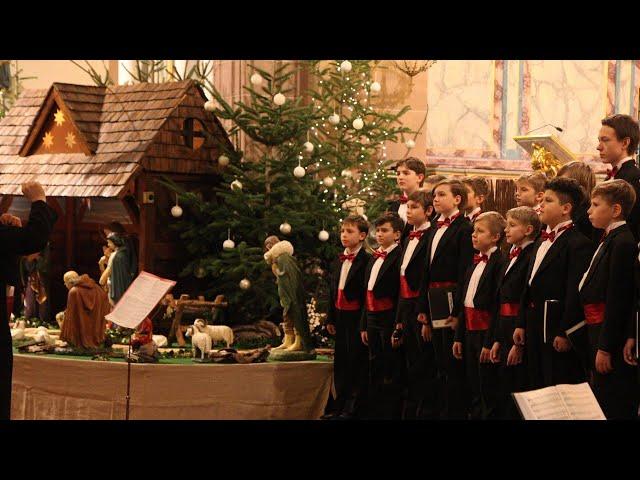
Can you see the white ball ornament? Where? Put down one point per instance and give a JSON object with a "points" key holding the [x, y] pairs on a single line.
{"points": [[279, 99], [334, 119], [299, 171], [256, 79], [223, 160], [328, 181], [375, 87], [358, 123], [285, 228], [308, 147], [228, 244], [346, 66], [410, 143], [346, 173], [236, 185], [323, 235], [245, 284], [210, 106], [176, 211]]}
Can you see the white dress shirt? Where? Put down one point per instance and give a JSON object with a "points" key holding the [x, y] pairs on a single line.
{"points": [[438, 235], [474, 281], [613, 226], [513, 261], [473, 212], [411, 247], [544, 248], [376, 267], [346, 266], [402, 212]]}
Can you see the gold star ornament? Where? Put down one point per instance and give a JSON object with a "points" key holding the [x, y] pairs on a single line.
{"points": [[70, 140], [47, 140], [59, 118]]}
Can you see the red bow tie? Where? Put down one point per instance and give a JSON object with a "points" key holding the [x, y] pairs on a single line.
{"points": [[403, 199], [514, 253], [480, 257], [551, 236], [416, 234], [380, 254], [611, 173], [447, 221], [349, 257]]}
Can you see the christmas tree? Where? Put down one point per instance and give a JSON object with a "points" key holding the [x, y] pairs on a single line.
{"points": [[313, 159]]}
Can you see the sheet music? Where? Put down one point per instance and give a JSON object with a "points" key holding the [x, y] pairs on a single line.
{"points": [[543, 404], [581, 402], [139, 300], [560, 402]]}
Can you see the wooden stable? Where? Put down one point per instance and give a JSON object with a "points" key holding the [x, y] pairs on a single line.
{"points": [[100, 152]]}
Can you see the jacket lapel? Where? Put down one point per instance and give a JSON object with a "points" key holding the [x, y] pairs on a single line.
{"points": [[554, 250], [448, 234], [386, 264], [488, 269], [603, 250], [355, 266]]}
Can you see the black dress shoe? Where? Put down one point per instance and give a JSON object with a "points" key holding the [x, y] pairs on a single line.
{"points": [[328, 416]]}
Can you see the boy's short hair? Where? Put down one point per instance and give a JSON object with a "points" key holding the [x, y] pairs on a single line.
{"points": [[526, 216], [391, 218], [616, 191], [435, 178], [414, 164], [425, 199], [537, 180], [478, 184], [568, 190], [358, 221], [624, 126], [457, 188], [495, 221]]}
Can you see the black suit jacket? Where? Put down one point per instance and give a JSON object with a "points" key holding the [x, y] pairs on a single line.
{"points": [[611, 281], [393, 207], [631, 173], [387, 281], [485, 297], [18, 241], [354, 287], [511, 284], [450, 260], [415, 270], [557, 278]]}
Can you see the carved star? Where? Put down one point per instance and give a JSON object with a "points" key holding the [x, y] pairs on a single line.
{"points": [[59, 117], [47, 140], [70, 139]]}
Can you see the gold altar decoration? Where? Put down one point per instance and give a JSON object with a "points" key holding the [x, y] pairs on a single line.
{"points": [[548, 154]]}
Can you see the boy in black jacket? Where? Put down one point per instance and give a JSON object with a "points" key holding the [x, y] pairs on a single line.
{"points": [[523, 227], [478, 313], [410, 176], [607, 295], [346, 301], [382, 280], [418, 353], [477, 191], [561, 256], [449, 254]]}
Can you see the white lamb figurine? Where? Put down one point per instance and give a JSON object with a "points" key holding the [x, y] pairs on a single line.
{"points": [[199, 340], [160, 340], [216, 332], [17, 333], [42, 335]]}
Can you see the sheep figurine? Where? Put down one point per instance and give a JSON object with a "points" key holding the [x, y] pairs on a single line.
{"points": [[200, 340], [42, 335], [160, 340], [216, 332], [17, 333]]}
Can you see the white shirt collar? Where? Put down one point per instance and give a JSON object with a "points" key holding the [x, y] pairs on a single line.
{"points": [[525, 243], [491, 251], [620, 162], [559, 226], [473, 212], [355, 252], [615, 225], [424, 226], [454, 213], [389, 248]]}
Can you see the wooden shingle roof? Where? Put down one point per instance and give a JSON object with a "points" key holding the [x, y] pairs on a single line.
{"points": [[123, 130]]}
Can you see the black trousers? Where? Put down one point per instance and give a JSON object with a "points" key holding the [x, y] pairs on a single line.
{"points": [[6, 357], [481, 378], [510, 378], [422, 388], [451, 376], [545, 365], [385, 390], [617, 392], [350, 363]]}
